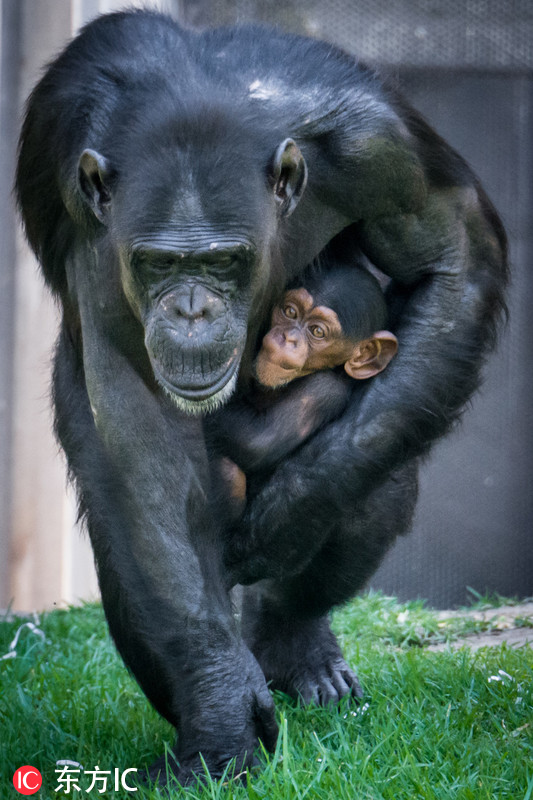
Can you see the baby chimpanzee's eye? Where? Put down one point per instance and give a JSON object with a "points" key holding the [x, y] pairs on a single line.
{"points": [[317, 331], [290, 311]]}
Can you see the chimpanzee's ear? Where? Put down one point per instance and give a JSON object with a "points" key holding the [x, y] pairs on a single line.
{"points": [[94, 176], [289, 176], [371, 356]]}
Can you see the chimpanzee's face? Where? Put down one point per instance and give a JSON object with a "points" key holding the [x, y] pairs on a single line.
{"points": [[194, 235], [194, 307]]}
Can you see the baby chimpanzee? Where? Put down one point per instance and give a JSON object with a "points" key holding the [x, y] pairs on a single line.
{"points": [[320, 334]]}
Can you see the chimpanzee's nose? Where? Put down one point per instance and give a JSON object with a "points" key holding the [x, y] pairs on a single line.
{"points": [[195, 303], [293, 336]]}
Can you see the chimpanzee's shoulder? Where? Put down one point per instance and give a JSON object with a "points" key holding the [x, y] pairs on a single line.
{"points": [[262, 52], [309, 87]]}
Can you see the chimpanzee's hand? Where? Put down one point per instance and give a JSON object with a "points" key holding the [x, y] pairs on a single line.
{"points": [[229, 711]]}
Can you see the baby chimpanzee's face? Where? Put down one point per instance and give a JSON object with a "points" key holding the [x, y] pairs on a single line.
{"points": [[304, 338]]}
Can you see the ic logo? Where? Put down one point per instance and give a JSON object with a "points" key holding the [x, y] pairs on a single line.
{"points": [[27, 780]]}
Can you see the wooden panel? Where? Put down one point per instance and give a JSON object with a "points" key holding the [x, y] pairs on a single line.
{"points": [[38, 496], [44, 561], [9, 41]]}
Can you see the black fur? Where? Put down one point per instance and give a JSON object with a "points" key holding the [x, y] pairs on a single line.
{"points": [[167, 244], [354, 294]]}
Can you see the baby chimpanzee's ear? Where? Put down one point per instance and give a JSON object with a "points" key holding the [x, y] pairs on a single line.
{"points": [[372, 355]]}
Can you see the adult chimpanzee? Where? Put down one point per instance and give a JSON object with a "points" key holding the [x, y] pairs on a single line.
{"points": [[161, 179], [334, 319]]}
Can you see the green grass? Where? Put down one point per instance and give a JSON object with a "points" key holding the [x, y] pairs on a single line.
{"points": [[437, 725]]}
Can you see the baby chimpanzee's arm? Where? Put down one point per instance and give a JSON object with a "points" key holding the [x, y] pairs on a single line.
{"points": [[256, 435]]}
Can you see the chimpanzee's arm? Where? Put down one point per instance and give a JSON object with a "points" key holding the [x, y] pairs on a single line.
{"points": [[449, 254], [257, 439], [143, 478]]}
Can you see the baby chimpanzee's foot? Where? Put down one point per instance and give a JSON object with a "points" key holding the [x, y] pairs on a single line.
{"points": [[301, 658]]}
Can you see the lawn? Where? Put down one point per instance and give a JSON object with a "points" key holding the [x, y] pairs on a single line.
{"points": [[456, 725]]}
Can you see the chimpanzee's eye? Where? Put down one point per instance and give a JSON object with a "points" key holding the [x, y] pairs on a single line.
{"points": [[317, 331], [147, 266], [162, 266], [290, 311]]}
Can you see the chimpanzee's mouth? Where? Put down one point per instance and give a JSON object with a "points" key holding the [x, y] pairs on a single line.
{"points": [[200, 398]]}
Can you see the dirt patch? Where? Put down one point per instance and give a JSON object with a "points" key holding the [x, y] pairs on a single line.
{"points": [[512, 625]]}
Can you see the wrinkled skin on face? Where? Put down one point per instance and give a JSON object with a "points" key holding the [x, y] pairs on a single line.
{"points": [[194, 310], [191, 281]]}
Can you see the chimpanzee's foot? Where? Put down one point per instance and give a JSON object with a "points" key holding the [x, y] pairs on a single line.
{"points": [[301, 658]]}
